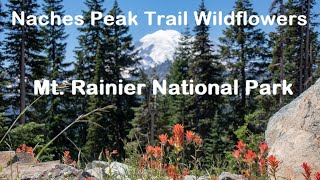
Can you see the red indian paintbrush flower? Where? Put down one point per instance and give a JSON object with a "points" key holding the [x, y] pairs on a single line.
{"points": [[171, 141], [236, 154], [178, 129], [163, 139], [66, 154], [178, 133], [157, 152], [250, 156], [18, 150], [273, 163], [190, 136], [24, 147], [263, 148], [307, 171], [262, 166], [241, 146], [317, 176], [172, 171], [198, 140], [149, 149], [185, 172], [66, 157], [145, 157], [29, 150]]}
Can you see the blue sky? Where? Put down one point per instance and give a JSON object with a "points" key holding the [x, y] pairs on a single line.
{"points": [[161, 7], [166, 7]]}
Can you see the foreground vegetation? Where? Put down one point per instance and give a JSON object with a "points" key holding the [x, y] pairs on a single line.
{"points": [[169, 159]]}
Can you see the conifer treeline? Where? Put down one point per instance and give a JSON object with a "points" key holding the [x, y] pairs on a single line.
{"points": [[104, 52]]}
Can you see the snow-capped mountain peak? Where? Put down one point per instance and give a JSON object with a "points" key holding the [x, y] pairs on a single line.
{"points": [[158, 47]]}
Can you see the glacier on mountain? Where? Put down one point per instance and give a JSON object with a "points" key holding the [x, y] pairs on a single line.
{"points": [[157, 48]]}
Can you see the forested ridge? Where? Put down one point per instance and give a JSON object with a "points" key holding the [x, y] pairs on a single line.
{"points": [[104, 52]]}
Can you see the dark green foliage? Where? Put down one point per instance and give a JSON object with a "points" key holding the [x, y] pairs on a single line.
{"points": [[86, 55], [98, 133], [115, 56], [218, 140], [146, 115], [59, 107], [90, 38], [2, 68], [178, 105], [205, 67], [299, 65], [54, 37], [30, 134], [245, 133], [35, 63], [2, 23], [244, 48]]}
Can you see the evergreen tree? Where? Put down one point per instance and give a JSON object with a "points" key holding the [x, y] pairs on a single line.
{"points": [[24, 48], [277, 8], [2, 71], [205, 67], [2, 59], [244, 49], [300, 48], [2, 23], [177, 106], [306, 56], [309, 43], [86, 54], [91, 36], [54, 37], [98, 136], [118, 57], [146, 120], [217, 142]]}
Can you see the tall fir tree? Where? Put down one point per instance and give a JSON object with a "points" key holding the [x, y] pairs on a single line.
{"points": [[2, 24], [91, 36], [205, 67], [118, 57], [300, 48], [244, 49], [278, 8], [54, 40], [152, 117], [86, 54], [141, 122], [2, 69], [24, 48], [306, 46], [177, 106], [98, 136]]}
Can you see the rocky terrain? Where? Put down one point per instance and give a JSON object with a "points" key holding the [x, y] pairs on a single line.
{"points": [[293, 134], [96, 170]]}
